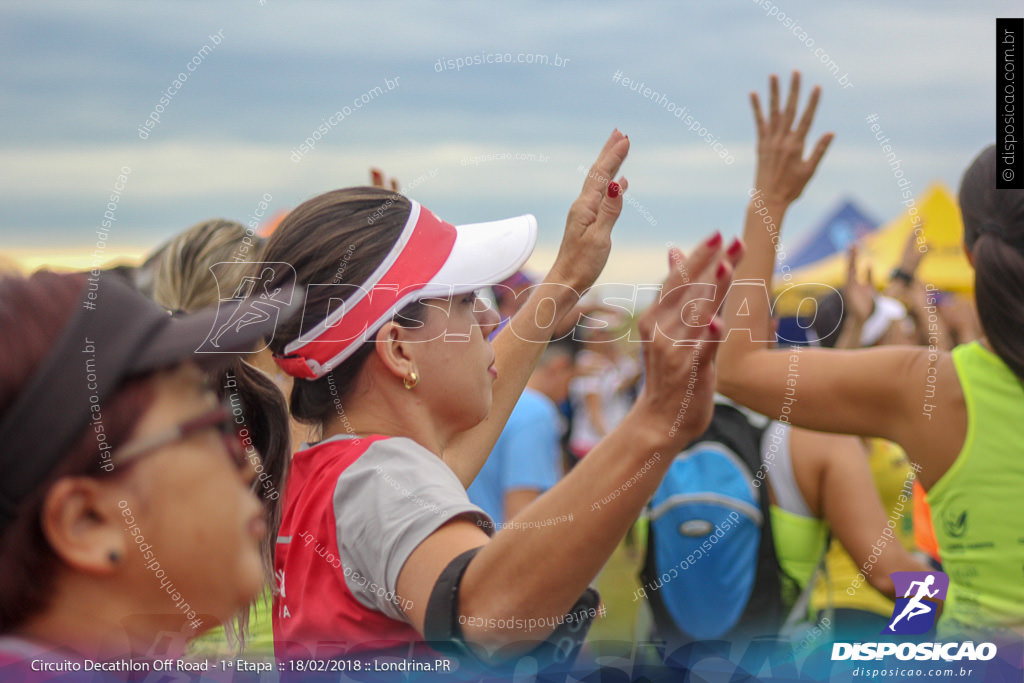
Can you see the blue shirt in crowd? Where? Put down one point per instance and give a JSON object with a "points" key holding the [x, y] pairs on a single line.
{"points": [[526, 456]]}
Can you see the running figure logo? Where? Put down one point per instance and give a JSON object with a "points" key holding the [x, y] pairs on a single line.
{"points": [[252, 301], [922, 593]]}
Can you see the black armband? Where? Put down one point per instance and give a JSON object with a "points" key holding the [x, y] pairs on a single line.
{"points": [[442, 627], [441, 622]]}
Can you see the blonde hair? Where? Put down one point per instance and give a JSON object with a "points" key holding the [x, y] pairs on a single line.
{"points": [[184, 280]]}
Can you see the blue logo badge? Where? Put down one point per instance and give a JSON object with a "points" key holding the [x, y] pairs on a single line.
{"points": [[922, 593]]}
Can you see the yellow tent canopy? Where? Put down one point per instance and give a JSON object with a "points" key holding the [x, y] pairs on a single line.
{"points": [[945, 266]]}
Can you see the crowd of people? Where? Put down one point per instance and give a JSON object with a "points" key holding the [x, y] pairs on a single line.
{"points": [[428, 451]]}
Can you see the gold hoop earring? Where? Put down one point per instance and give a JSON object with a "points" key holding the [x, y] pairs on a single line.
{"points": [[412, 380]]}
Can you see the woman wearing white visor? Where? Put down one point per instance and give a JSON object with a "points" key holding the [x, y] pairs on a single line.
{"points": [[379, 545]]}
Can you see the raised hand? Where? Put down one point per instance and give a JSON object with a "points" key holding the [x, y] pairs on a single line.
{"points": [[518, 346], [782, 171], [587, 239], [681, 332], [858, 295], [914, 250], [377, 180]]}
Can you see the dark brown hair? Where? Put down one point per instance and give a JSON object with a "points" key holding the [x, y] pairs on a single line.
{"points": [[33, 313], [994, 236], [265, 415], [337, 238]]}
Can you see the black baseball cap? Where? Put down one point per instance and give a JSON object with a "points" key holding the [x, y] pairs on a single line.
{"points": [[116, 334]]}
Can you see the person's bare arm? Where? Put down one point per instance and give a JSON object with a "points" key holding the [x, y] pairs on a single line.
{"points": [[516, 500], [517, 348], [875, 392], [847, 499], [538, 569], [753, 373]]}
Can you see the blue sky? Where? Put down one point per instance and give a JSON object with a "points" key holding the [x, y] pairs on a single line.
{"points": [[80, 78]]}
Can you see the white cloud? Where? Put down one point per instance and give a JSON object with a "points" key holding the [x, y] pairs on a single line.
{"points": [[81, 77]]}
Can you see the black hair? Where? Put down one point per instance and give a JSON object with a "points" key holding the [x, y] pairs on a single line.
{"points": [[994, 236]]}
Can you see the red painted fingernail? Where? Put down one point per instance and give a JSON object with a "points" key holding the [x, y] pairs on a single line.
{"points": [[715, 326], [735, 247], [613, 190], [715, 240], [720, 273]]}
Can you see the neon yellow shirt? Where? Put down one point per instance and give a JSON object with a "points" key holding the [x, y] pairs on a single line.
{"points": [[799, 542], [977, 506]]}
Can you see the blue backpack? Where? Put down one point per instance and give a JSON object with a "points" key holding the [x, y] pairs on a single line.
{"points": [[711, 570]]}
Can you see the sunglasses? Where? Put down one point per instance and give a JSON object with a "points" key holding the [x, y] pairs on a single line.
{"points": [[219, 418]]}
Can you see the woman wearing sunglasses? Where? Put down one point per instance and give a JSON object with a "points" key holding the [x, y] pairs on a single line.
{"points": [[379, 545], [127, 522]]}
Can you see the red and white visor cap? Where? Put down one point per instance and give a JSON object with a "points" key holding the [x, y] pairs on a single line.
{"points": [[432, 258]]}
